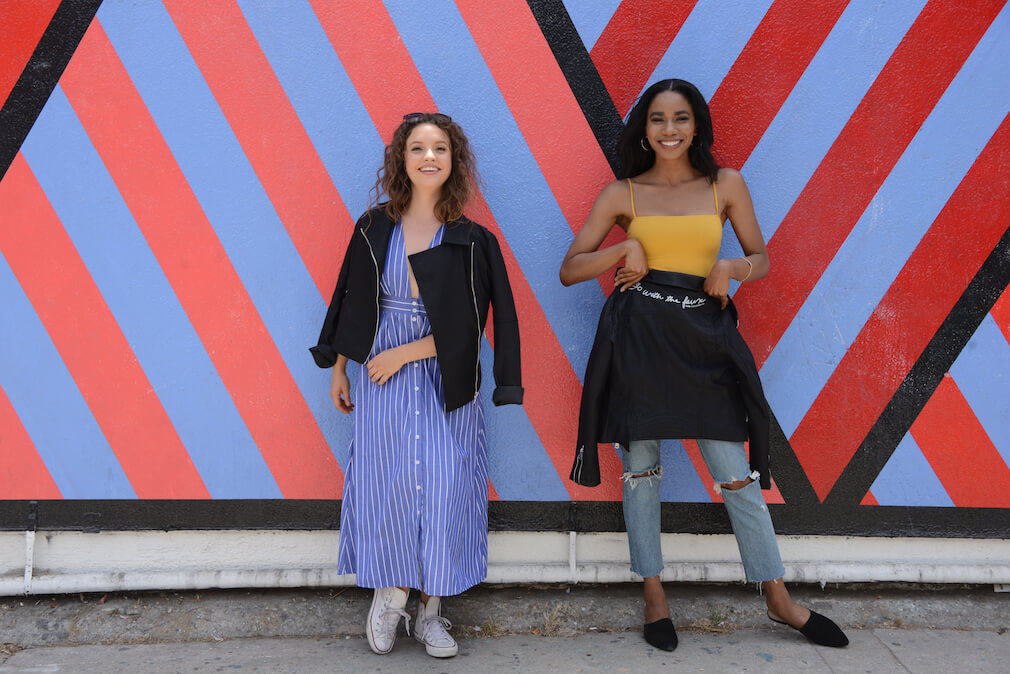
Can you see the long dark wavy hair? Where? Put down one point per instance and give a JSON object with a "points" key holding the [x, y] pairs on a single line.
{"points": [[392, 180], [635, 160]]}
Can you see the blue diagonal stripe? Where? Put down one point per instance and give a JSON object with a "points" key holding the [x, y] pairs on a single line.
{"points": [[146, 309], [709, 42], [223, 181], [889, 230], [982, 372], [517, 192], [321, 93], [49, 404], [908, 480]]}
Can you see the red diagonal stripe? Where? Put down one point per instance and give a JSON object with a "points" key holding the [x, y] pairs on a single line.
{"points": [[1001, 312], [902, 324], [959, 451], [633, 43], [197, 267], [95, 351], [841, 188], [22, 24], [23, 475], [267, 127], [363, 35], [543, 106], [762, 77]]}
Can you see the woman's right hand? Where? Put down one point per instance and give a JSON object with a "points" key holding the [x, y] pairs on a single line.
{"points": [[340, 391], [635, 266]]}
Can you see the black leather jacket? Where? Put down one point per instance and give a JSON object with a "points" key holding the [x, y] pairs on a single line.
{"points": [[668, 362], [457, 281]]}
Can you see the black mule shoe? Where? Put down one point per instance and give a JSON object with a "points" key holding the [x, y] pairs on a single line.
{"points": [[820, 630], [661, 634]]}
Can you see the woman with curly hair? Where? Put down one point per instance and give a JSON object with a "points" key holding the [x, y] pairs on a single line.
{"points": [[410, 305], [668, 361]]}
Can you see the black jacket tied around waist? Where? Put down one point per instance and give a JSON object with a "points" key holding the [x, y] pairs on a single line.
{"points": [[668, 362]]}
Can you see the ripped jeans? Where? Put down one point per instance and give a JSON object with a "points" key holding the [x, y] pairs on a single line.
{"points": [[727, 463]]}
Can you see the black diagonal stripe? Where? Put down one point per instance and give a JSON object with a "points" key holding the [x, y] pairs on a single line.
{"points": [[41, 73], [790, 478], [581, 73], [921, 382]]}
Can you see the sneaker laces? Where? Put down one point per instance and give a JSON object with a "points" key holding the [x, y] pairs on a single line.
{"points": [[436, 623], [396, 612]]}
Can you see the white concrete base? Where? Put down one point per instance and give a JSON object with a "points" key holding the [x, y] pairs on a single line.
{"points": [[71, 561]]}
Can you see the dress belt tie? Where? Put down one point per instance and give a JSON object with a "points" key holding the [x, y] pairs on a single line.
{"points": [[407, 305]]}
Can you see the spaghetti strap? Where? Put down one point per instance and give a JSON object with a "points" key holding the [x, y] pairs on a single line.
{"points": [[716, 193], [632, 191]]}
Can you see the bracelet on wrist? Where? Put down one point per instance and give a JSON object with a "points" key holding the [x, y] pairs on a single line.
{"points": [[750, 270]]}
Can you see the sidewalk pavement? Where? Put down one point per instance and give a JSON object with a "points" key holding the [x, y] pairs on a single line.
{"points": [[556, 629], [752, 650]]}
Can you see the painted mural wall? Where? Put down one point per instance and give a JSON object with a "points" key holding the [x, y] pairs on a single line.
{"points": [[180, 179]]}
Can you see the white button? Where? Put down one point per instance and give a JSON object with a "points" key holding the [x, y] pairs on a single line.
{"points": [[416, 412], [418, 487], [413, 318], [417, 462], [417, 388], [416, 364], [417, 437], [414, 303]]}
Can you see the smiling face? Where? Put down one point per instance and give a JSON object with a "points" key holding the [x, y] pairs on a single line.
{"points": [[427, 156], [670, 125]]}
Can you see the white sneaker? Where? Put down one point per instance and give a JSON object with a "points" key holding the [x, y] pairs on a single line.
{"points": [[430, 629], [384, 617]]}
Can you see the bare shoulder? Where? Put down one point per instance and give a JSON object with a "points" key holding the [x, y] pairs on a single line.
{"points": [[732, 188], [730, 178], [616, 189], [614, 199]]}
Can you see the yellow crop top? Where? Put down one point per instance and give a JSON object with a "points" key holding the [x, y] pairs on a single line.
{"points": [[684, 243]]}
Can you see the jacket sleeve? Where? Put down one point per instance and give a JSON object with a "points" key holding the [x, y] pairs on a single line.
{"points": [[758, 412], [325, 350], [507, 366], [593, 407]]}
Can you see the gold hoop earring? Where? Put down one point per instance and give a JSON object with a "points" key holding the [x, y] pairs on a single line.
{"points": [[644, 146]]}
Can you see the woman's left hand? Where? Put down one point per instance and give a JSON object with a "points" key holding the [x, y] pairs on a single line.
{"points": [[717, 283], [384, 365]]}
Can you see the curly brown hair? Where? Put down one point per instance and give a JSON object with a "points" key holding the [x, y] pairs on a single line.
{"points": [[392, 180]]}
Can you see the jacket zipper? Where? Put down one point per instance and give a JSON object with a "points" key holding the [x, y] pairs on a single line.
{"points": [[375, 333], [476, 314]]}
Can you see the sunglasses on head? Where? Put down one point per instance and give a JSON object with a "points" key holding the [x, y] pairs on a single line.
{"points": [[414, 116]]}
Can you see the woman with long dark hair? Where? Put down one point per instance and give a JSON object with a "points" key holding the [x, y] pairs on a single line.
{"points": [[410, 305], [668, 361]]}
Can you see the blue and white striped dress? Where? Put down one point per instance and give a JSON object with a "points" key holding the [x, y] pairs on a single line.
{"points": [[414, 510]]}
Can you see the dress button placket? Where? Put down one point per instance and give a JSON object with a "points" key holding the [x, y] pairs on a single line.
{"points": [[415, 404]]}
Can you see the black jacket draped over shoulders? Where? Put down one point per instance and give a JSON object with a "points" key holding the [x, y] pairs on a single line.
{"points": [[458, 280]]}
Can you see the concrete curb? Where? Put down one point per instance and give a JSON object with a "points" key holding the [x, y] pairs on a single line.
{"points": [[486, 610]]}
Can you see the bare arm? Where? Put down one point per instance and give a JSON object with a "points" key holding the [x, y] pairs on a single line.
{"points": [[340, 386], [380, 368], [384, 365], [584, 260], [739, 209]]}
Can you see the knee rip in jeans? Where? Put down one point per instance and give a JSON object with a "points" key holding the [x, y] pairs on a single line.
{"points": [[733, 485], [633, 479]]}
